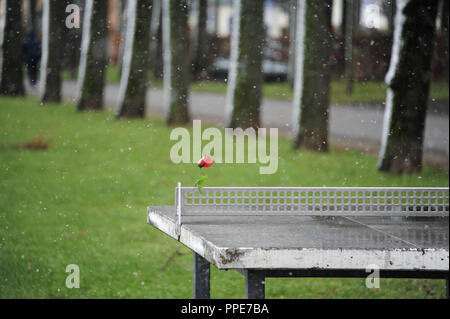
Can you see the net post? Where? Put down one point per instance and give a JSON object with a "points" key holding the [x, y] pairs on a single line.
{"points": [[178, 208]]}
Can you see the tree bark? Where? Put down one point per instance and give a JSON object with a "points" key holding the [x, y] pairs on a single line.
{"points": [[176, 61], [156, 60], [72, 43], [53, 22], [11, 56], [201, 59], [444, 30], [134, 78], [349, 24], [33, 14], [408, 81], [158, 63], [292, 32], [245, 81], [312, 86], [94, 56]]}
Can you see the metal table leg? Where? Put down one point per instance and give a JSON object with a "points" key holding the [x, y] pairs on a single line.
{"points": [[201, 277], [254, 284], [446, 288]]}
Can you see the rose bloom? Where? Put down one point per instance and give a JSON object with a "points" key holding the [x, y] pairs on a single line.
{"points": [[205, 161]]}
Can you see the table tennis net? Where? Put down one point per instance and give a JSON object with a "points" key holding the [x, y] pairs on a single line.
{"points": [[315, 200]]}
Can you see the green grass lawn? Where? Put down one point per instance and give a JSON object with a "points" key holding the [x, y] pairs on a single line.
{"points": [[364, 92], [83, 201]]}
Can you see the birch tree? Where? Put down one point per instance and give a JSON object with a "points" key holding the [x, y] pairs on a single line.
{"points": [[11, 57], [134, 76], [312, 80], [245, 71], [408, 80], [94, 57], [53, 22], [176, 61]]}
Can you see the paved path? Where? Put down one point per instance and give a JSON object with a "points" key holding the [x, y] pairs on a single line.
{"points": [[356, 127]]}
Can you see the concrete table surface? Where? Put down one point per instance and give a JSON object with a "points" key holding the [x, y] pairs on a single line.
{"points": [[311, 242]]}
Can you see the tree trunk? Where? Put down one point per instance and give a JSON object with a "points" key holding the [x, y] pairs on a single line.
{"points": [[134, 78], [72, 43], [312, 83], [156, 63], [292, 32], [349, 23], [444, 28], [245, 75], [94, 56], [53, 22], [33, 14], [200, 63], [176, 61], [11, 56], [408, 81]]}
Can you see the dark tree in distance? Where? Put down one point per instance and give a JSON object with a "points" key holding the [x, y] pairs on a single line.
{"points": [[245, 75], [33, 14], [444, 28], [176, 61], [72, 38], [11, 56], [134, 77], [312, 82], [408, 81], [201, 58], [292, 32], [348, 40], [158, 63], [53, 22], [94, 56], [156, 59]]}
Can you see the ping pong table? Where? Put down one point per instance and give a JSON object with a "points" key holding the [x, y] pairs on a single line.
{"points": [[309, 232]]}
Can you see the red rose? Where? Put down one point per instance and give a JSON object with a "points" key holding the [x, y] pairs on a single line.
{"points": [[205, 161]]}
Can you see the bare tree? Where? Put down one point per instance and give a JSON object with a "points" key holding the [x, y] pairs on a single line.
{"points": [[11, 57], [94, 57], [245, 72], [176, 61], [134, 78], [53, 22], [408, 81], [312, 81]]}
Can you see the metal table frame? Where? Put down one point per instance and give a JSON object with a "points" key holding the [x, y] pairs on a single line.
{"points": [[255, 278]]}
